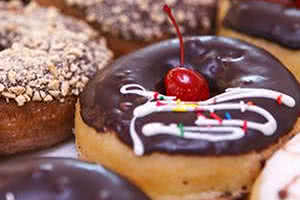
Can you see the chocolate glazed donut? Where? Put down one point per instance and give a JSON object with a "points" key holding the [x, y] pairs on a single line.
{"points": [[225, 63], [270, 25], [278, 23], [56, 178]]}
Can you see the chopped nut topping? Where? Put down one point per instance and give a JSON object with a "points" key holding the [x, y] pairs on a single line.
{"points": [[17, 90], [20, 100], [48, 98], [26, 97], [43, 52], [54, 93], [52, 69], [145, 20], [29, 91], [11, 75], [9, 95], [84, 80], [65, 86], [37, 96], [1, 87], [43, 94], [53, 85]]}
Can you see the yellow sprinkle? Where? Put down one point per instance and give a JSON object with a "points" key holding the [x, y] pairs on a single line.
{"points": [[179, 109], [191, 105], [184, 107]]}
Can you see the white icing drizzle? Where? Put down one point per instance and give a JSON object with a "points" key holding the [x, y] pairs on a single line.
{"points": [[193, 132], [229, 129]]}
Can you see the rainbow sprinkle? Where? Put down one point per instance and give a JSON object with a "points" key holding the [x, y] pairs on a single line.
{"points": [[181, 128], [228, 116]]}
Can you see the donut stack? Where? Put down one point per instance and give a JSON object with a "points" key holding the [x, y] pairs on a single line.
{"points": [[197, 117]]}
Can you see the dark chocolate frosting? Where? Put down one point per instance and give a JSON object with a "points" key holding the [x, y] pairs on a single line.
{"points": [[226, 63], [62, 179], [272, 21]]}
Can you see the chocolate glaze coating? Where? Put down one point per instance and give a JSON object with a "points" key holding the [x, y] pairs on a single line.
{"points": [[226, 63], [63, 179], [271, 21]]}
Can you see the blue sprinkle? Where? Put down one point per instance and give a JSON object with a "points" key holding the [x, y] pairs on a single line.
{"points": [[227, 115]]}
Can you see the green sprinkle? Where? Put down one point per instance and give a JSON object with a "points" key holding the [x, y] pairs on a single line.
{"points": [[161, 98], [181, 127]]}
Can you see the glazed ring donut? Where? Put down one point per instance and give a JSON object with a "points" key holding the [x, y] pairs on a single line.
{"points": [[129, 25], [280, 179], [63, 179], [45, 61], [189, 150], [277, 29]]}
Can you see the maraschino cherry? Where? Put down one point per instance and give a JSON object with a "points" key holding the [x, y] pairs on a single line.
{"points": [[185, 84]]}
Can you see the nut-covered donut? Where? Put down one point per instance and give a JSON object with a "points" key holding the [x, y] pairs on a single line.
{"points": [[63, 179], [129, 24], [45, 61], [174, 149]]}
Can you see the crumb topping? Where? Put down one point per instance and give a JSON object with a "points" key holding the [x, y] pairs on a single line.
{"points": [[46, 56], [145, 20]]}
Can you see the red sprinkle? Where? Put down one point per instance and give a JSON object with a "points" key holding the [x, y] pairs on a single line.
{"points": [[215, 116], [199, 114], [279, 99], [158, 103], [250, 103], [156, 95], [199, 109], [245, 127]]}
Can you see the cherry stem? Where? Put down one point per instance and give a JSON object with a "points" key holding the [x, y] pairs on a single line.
{"points": [[169, 12]]}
